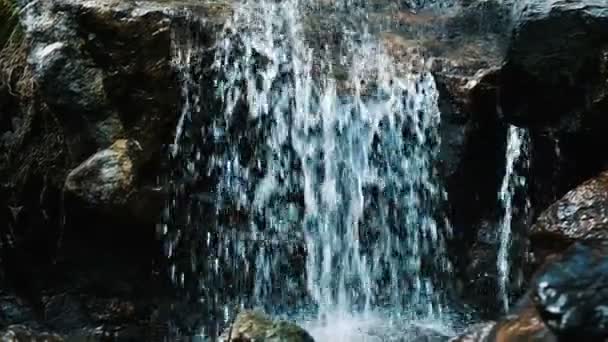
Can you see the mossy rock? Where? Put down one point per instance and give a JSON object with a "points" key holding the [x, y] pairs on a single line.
{"points": [[252, 326], [9, 21]]}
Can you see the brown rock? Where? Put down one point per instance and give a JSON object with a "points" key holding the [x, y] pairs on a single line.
{"points": [[527, 325]]}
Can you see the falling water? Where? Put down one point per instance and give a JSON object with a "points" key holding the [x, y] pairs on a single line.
{"points": [[513, 181], [306, 190]]}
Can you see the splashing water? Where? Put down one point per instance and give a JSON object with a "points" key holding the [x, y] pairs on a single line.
{"points": [[320, 159], [513, 181]]}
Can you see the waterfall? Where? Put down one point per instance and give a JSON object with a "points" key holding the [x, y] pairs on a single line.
{"points": [[307, 182], [513, 183]]}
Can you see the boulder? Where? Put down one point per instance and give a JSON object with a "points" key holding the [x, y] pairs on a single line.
{"points": [[524, 325], [555, 81], [581, 215], [571, 294], [251, 326], [556, 65], [566, 301]]}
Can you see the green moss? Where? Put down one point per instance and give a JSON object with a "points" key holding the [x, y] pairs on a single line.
{"points": [[9, 22]]}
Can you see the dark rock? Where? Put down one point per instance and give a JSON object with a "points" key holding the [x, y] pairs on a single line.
{"points": [[467, 101], [65, 313], [250, 326], [21, 333], [106, 70], [555, 72], [554, 82], [13, 311], [571, 294], [104, 80]]}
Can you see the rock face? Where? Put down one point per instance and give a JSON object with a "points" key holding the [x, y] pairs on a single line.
{"points": [[250, 326], [556, 63], [87, 101], [105, 68], [554, 82]]}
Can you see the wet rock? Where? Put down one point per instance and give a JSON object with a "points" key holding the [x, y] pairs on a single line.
{"points": [[65, 313], [581, 215], [250, 326], [571, 294], [19, 333], [475, 333], [555, 72], [104, 67], [13, 311], [106, 179], [554, 82], [526, 325], [467, 101]]}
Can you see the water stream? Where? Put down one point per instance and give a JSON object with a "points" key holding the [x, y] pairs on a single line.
{"points": [[513, 183], [310, 182]]}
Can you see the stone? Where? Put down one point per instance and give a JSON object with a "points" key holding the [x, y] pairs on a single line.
{"points": [[251, 326], [475, 333], [580, 215], [525, 325], [571, 294], [18, 333], [106, 179], [65, 313], [555, 72]]}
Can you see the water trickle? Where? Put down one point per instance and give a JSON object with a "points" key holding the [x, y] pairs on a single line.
{"points": [[514, 183], [310, 186]]}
